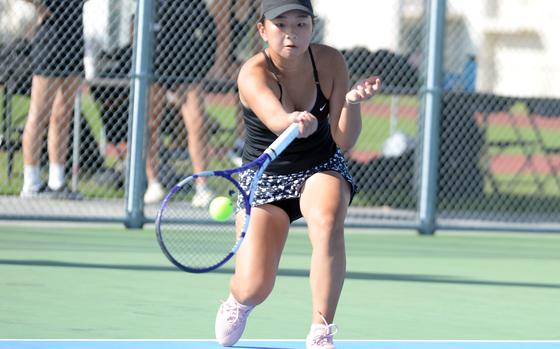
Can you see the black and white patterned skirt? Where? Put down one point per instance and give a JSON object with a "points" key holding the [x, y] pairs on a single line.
{"points": [[277, 187]]}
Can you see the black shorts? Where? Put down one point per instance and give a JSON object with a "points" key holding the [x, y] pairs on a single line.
{"points": [[57, 48], [185, 42], [284, 190]]}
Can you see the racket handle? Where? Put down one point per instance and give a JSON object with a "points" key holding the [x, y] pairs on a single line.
{"points": [[282, 142]]}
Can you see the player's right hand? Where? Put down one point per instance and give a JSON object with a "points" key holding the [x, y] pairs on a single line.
{"points": [[307, 123]]}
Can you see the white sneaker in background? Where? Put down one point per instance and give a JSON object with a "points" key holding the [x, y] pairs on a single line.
{"points": [[154, 193], [35, 191], [236, 152], [202, 196], [235, 158]]}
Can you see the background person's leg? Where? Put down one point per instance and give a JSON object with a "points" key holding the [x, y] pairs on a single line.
{"points": [[155, 191], [193, 113], [42, 95], [59, 132]]}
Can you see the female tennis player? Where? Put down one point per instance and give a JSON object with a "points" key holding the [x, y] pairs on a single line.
{"points": [[294, 81]]}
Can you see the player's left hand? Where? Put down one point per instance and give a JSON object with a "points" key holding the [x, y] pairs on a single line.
{"points": [[363, 90]]}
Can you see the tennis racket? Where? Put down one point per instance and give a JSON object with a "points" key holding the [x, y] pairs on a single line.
{"points": [[188, 235]]}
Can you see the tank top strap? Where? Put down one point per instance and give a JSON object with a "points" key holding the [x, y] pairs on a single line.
{"points": [[315, 73], [272, 69]]}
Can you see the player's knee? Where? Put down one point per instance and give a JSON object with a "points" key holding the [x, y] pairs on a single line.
{"points": [[60, 119], [253, 291], [326, 233], [319, 220]]}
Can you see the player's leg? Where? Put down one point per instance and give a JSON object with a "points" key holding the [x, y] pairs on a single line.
{"points": [[324, 203], [59, 133], [42, 96], [258, 257], [255, 270]]}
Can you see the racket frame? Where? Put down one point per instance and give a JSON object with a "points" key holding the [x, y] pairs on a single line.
{"points": [[262, 162]]}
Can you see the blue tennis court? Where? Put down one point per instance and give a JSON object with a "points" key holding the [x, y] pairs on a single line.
{"points": [[275, 344]]}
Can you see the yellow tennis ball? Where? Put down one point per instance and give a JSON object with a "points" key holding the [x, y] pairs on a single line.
{"points": [[221, 208]]}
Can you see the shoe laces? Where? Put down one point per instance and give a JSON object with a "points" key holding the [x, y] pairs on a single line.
{"points": [[234, 311], [324, 335]]}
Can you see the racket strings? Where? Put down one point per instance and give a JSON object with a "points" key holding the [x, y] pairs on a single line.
{"points": [[190, 234]]}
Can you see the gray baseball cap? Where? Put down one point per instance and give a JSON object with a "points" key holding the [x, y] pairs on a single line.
{"points": [[274, 8]]}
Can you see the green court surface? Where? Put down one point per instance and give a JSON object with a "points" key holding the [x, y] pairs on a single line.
{"points": [[105, 282]]}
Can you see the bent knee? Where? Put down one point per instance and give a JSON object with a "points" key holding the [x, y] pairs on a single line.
{"points": [[251, 291], [326, 232], [330, 223]]}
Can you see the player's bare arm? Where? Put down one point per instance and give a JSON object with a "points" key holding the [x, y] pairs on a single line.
{"points": [[346, 119], [259, 91]]}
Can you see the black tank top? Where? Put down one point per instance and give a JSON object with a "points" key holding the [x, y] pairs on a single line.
{"points": [[302, 153]]}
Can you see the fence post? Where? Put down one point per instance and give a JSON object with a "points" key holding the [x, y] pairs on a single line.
{"points": [[429, 161], [140, 84]]}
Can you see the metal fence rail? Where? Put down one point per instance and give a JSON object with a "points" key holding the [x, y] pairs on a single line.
{"points": [[133, 95]]}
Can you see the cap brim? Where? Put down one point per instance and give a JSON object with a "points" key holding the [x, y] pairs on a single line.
{"points": [[279, 10]]}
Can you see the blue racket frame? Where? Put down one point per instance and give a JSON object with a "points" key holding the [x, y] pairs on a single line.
{"points": [[271, 153]]}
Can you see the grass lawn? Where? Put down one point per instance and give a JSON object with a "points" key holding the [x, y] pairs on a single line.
{"points": [[376, 129]]}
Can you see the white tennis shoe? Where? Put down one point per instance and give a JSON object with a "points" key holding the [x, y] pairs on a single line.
{"points": [[321, 336], [230, 321], [202, 196], [154, 193]]}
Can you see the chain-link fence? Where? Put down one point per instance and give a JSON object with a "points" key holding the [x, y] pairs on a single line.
{"points": [[500, 125], [67, 90]]}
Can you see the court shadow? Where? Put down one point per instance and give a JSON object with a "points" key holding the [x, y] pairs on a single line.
{"points": [[350, 275]]}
